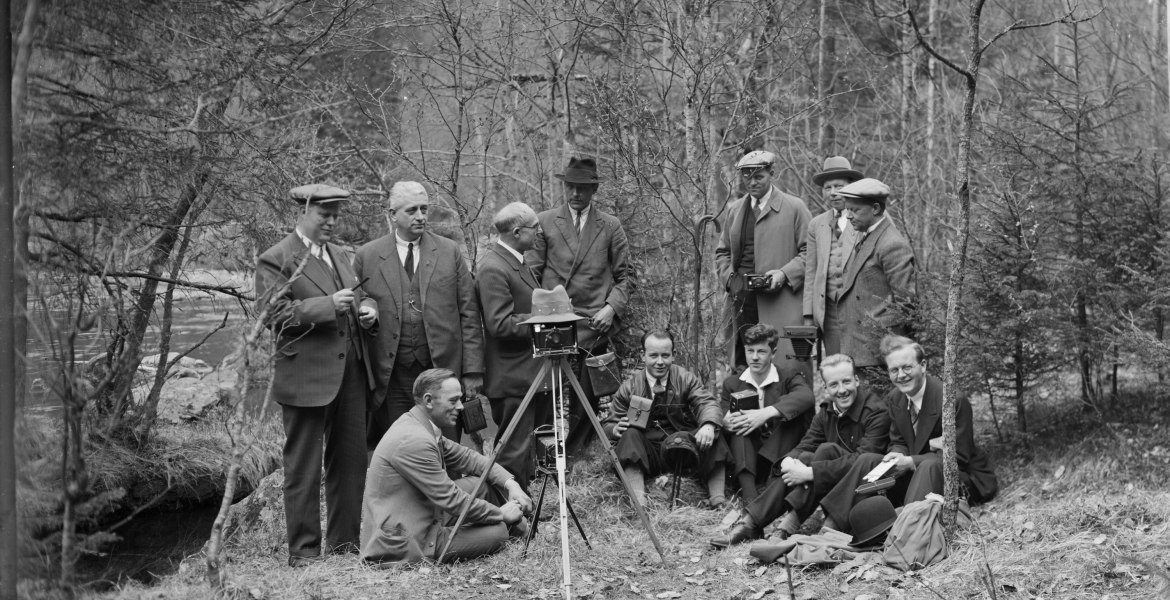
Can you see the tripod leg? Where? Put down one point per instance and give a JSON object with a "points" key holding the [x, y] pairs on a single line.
{"points": [[535, 516], [578, 524], [614, 459], [674, 486], [536, 384]]}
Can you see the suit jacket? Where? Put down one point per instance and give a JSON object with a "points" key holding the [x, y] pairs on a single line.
{"points": [[781, 235], [594, 266], [505, 300], [865, 427], [450, 313], [915, 442], [310, 336], [791, 396], [879, 271], [688, 405], [409, 495], [816, 262]]}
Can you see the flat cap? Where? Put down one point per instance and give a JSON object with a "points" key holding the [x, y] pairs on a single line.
{"points": [[756, 159], [318, 192], [866, 189]]}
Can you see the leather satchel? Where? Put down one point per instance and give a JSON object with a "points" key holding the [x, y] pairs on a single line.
{"points": [[604, 373], [639, 412], [473, 415]]}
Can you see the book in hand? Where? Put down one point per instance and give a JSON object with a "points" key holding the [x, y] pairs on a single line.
{"points": [[878, 471], [639, 411]]}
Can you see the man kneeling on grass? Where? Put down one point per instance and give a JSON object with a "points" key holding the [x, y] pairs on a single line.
{"points": [[411, 505], [675, 400], [853, 422]]}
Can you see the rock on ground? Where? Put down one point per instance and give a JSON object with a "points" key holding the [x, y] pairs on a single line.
{"points": [[191, 398], [187, 367]]}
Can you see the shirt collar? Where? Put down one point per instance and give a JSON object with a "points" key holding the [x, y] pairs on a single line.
{"points": [[314, 249], [403, 243], [650, 379], [773, 377], [917, 398], [584, 212], [762, 203], [519, 257], [874, 226]]}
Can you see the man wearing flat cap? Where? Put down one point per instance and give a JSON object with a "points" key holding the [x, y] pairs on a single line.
{"points": [[322, 373], [879, 275], [764, 234], [830, 240], [427, 313], [585, 249]]}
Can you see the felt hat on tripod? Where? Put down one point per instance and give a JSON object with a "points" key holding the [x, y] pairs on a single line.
{"points": [[552, 306]]}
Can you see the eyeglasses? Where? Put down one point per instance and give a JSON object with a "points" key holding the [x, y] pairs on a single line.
{"points": [[902, 369], [535, 227]]}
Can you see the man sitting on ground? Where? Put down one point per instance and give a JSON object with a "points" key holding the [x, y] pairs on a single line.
{"points": [[680, 402], [410, 503], [853, 422], [767, 409], [916, 439]]}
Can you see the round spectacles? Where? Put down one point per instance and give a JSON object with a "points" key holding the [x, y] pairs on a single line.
{"points": [[902, 369]]}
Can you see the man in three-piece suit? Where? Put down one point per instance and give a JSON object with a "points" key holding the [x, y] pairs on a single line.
{"points": [[427, 313], [830, 241], [505, 285], [764, 233], [411, 505], [321, 374], [915, 407], [586, 251], [879, 275]]}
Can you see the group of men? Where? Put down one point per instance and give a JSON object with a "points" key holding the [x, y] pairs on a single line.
{"points": [[415, 333]]}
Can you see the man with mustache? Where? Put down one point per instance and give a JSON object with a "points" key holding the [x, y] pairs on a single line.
{"points": [[854, 421], [411, 505], [680, 402], [764, 234], [766, 409], [427, 312], [915, 408], [830, 241]]}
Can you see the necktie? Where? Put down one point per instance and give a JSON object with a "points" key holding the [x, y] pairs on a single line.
{"points": [[756, 209], [913, 414], [409, 261], [577, 220], [836, 224], [659, 387], [320, 254]]}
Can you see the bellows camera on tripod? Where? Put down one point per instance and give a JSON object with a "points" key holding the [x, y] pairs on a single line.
{"points": [[553, 339], [803, 339]]}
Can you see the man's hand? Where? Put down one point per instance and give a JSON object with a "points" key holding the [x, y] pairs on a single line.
{"points": [[342, 300], [808, 321], [902, 464], [705, 436], [511, 512], [621, 426], [368, 316], [755, 419], [516, 494], [795, 472], [603, 320], [472, 385], [778, 279], [734, 422]]}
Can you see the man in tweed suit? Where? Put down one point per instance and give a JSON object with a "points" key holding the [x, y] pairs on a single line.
{"points": [[830, 241]]}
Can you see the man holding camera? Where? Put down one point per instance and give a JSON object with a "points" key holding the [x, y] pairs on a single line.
{"points": [[660, 401], [915, 452], [586, 251], [427, 311], [411, 505], [760, 256], [766, 409], [830, 241], [505, 285], [853, 422]]}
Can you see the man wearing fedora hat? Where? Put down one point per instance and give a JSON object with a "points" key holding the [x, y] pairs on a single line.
{"points": [[765, 234], [427, 313], [506, 286], [585, 249], [322, 373], [830, 240]]}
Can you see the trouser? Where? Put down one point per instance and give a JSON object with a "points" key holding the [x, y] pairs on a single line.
{"points": [[745, 453], [779, 497], [926, 478], [831, 329], [581, 431], [398, 401], [516, 455], [340, 424], [746, 313], [643, 449], [475, 540]]}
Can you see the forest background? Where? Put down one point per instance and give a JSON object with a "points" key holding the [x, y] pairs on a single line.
{"points": [[156, 141]]}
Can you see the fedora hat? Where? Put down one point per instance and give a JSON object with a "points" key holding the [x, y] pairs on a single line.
{"points": [[836, 167], [580, 170], [317, 193], [871, 518], [680, 450], [551, 306]]}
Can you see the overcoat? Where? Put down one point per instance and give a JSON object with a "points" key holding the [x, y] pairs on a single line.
{"points": [[878, 273], [505, 300], [791, 396], [816, 262]]}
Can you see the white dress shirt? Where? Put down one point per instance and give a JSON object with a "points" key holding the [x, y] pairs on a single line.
{"points": [[761, 203], [317, 250], [580, 216], [403, 248], [519, 256]]}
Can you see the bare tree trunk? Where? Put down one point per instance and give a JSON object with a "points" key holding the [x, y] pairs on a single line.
{"points": [[822, 72], [22, 211], [930, 187]]}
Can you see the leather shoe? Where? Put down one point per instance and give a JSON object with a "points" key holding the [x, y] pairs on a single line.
{"points": [[298, 562], [742, 532]]}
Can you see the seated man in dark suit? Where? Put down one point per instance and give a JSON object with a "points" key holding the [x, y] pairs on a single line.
{"points": [[854, 422], [411, 505], [680, 402], [766, 409], [916, 439]]}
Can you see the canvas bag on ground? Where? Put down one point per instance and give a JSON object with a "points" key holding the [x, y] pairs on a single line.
{"points": [[916, 540]]}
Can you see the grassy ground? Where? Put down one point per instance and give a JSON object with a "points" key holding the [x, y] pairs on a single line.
{"points": [[1084, 512]]}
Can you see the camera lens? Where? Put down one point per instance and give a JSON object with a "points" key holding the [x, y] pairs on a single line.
{"points": [[554, 337]]}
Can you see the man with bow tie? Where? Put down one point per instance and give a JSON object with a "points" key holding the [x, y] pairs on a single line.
{"points": [[427, 313], [505, 284], [830, 240], [321, 374]]}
